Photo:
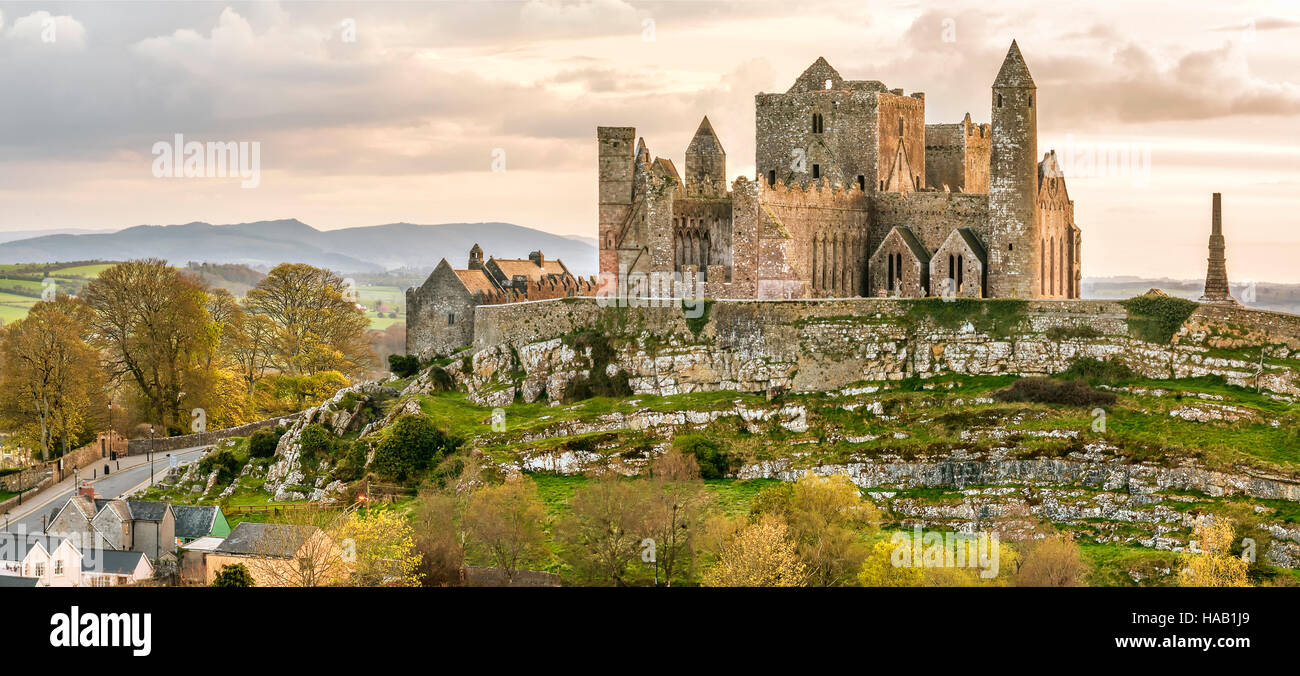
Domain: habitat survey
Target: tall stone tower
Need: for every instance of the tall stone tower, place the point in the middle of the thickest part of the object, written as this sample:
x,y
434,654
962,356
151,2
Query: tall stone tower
x,y
1015,248
615,169
706,164
1216,274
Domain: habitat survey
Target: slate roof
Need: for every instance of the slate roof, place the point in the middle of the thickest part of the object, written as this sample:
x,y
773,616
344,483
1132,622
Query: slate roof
x,y
135,510
18,581
111,561
265,539
973,243
912,243
194,521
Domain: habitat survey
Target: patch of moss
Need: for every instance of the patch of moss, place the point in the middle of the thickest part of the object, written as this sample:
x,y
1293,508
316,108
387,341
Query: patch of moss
x,y
996,317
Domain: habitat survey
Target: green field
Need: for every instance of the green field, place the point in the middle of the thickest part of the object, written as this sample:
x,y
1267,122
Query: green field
x,y
392,298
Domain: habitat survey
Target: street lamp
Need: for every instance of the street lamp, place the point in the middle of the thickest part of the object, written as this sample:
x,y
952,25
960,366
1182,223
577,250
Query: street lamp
x,y
151,443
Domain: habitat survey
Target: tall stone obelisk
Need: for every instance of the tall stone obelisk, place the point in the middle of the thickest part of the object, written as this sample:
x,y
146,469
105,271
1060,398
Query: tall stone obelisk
x,y
1216,275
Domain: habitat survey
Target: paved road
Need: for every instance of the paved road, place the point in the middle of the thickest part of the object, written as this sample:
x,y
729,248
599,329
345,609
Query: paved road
x,y
111,486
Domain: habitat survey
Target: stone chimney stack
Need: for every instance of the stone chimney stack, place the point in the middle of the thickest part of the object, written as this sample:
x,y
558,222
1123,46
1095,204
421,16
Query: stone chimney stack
x,y
536,258
1216,274
86,490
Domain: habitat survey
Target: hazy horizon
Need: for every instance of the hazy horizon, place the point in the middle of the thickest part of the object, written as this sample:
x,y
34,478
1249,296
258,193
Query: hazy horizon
x,y
376,113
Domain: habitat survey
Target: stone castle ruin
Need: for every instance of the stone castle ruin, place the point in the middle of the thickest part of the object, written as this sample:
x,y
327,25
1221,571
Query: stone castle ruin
x,y
855,196
440,313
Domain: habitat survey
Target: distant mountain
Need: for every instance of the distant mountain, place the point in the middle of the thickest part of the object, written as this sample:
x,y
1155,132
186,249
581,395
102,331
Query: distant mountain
x,y
11,235
268,243
1262,295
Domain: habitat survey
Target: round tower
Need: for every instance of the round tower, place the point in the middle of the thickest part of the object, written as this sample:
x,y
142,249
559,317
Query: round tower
x,y
1014,247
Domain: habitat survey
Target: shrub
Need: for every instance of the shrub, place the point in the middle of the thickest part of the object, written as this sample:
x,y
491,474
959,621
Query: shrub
x,y
316,442
1096,371
352,460
411,445
403,365
263,442
348,401
714,460
1155,318
233,575
224,461
1048,391
441,380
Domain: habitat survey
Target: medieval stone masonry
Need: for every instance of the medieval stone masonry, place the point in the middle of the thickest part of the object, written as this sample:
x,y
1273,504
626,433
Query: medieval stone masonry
x,y
855,195
440,313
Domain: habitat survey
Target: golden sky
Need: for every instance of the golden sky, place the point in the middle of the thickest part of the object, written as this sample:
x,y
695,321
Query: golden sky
x,y
372,113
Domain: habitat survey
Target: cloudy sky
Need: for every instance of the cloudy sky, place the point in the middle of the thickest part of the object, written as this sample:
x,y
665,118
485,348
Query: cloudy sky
x,y
373,113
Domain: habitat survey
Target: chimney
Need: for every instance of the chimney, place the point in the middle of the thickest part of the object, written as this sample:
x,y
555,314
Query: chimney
x,y
86,490
536,257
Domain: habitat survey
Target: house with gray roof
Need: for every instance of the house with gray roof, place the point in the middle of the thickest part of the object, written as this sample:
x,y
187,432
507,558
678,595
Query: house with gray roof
x,y
199,521
123,525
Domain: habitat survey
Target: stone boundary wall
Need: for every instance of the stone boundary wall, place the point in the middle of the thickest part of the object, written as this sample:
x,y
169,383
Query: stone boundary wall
x,y
815,345
523,323
166,444
1234,326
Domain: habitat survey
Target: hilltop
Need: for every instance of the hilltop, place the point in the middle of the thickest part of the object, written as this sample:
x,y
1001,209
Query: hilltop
x,y
268,243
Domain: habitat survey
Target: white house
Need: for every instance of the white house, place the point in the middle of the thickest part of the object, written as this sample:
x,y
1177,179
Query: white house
x,y
59,562
55,561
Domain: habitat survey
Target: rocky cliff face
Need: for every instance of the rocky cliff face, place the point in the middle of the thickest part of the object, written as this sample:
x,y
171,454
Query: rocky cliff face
x,y
818,346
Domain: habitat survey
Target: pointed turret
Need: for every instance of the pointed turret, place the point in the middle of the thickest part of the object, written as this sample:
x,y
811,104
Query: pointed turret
x,y
1014,72
1015,244
706,163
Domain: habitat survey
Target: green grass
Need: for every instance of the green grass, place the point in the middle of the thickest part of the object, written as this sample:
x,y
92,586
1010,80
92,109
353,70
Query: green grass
x,y
84,271
1110,565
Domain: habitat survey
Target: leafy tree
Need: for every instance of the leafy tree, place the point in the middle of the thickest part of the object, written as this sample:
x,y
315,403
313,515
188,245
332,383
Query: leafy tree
x,y
505,523
316,442
827,518
263,442
290,393
714,460
1214,565
403,365
675,508
382,544
438,539
318,325
410,445
1054,561
233,575
759,555
153,323
604,529
49,375
224,461
249,344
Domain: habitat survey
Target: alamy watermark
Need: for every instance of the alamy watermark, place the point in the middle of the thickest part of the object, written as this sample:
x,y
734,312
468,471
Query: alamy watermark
x,y
653,289
211,159
934,549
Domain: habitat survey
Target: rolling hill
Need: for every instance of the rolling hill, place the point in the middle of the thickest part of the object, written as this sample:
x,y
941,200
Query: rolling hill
x,y
267,243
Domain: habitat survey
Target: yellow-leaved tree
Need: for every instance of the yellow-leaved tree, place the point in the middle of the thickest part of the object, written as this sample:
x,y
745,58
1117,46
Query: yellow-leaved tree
x,y
382,544
761,554
1214,565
